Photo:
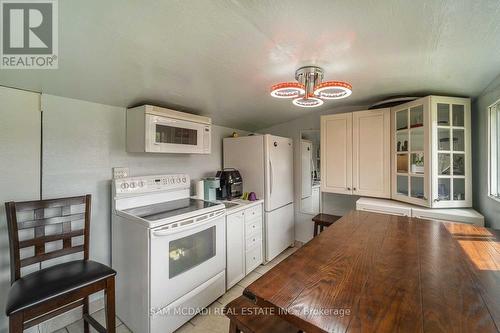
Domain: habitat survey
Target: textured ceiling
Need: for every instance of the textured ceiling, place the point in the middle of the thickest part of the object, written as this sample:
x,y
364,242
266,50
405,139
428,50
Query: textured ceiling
x,y
219,57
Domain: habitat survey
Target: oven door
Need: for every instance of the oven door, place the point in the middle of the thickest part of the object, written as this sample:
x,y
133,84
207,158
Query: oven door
x,y
168,135
185,256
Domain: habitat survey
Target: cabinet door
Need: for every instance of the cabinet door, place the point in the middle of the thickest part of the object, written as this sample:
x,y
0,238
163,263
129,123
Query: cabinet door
x,y
336,153
411,160
451,147
235,250
371,153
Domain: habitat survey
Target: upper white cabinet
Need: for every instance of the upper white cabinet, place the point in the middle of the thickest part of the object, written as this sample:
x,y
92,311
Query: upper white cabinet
x,y
355,153
336,153
371,162
431,164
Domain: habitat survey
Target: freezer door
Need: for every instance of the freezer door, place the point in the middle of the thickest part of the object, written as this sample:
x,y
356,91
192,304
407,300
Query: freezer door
x,y
246,154
306,168
279,172
279,230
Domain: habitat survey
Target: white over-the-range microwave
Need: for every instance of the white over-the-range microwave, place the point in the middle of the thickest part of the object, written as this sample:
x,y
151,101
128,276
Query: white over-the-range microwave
x,y
152,129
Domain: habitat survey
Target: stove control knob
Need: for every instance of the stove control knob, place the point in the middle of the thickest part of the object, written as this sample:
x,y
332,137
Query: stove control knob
x,y
178,180
125,185
172,180
132,185
183,179
141,184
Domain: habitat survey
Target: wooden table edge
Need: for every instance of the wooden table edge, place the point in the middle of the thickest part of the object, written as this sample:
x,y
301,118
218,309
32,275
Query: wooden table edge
x,y
298,322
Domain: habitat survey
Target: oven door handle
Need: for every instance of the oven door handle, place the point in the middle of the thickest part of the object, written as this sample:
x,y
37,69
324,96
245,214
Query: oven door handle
x,y
168,231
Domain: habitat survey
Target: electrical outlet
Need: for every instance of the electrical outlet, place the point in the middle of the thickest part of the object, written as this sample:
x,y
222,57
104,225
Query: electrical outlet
x,y
120,172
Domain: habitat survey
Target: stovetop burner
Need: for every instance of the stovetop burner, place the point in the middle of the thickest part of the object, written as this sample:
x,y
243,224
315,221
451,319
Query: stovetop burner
x,y
168,209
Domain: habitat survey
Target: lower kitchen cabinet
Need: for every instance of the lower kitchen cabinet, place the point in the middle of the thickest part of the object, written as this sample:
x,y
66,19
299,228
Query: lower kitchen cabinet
x,y
392,207
235,248
244,243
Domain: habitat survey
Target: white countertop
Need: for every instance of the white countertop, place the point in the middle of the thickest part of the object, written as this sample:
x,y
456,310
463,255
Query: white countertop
x,y
242,204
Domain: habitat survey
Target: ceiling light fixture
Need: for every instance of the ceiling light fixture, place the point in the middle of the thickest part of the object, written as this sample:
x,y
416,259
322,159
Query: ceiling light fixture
x,y
309,91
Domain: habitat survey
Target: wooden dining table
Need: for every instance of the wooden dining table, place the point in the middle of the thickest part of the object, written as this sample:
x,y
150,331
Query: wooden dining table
x,y
372,272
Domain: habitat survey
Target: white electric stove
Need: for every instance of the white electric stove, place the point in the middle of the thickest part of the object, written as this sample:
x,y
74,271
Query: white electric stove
x,y
168,250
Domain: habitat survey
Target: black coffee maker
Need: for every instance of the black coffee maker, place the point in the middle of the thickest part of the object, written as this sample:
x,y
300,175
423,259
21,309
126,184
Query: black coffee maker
x,y
231,184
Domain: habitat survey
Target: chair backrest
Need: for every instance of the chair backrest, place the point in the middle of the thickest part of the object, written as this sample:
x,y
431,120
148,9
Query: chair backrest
x,y
46,221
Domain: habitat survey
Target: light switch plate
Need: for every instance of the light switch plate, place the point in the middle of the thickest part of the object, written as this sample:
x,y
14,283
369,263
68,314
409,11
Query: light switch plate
x,y
120,172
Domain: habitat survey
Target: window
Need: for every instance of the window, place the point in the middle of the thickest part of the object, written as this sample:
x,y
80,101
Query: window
x,y
494,150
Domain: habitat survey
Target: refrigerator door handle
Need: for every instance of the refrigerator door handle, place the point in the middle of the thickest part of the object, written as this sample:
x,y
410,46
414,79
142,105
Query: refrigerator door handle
x,y
271,177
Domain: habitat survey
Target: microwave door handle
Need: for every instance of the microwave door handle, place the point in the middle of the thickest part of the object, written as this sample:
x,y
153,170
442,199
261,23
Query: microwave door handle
x,y
271,177
165,232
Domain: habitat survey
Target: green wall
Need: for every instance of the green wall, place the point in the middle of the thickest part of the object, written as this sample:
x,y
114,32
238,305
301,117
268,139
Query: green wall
x,y
482,202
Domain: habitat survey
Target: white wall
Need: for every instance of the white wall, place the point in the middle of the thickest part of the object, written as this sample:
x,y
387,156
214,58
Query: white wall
x,y
19,167
82,141
481,201
335,204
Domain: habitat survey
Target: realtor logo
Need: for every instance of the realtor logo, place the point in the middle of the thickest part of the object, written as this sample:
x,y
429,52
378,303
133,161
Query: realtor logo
x,y
29,34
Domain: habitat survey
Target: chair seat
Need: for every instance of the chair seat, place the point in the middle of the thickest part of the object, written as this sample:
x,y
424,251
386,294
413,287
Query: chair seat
x,y
53,281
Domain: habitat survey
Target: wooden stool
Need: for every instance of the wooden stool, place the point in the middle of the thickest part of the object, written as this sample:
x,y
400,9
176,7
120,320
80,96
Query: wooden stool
x,y
247,317
323,220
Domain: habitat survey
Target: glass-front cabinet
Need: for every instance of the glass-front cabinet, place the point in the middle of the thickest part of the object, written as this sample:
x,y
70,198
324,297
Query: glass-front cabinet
x,y
431,152
411,152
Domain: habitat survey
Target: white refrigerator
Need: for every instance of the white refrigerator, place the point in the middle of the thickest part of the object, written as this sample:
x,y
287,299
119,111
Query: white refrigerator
x,y
265,163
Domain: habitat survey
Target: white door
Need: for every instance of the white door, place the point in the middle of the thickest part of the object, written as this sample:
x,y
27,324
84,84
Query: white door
x,y
184,257
306,171
371,153
279,231
246,154
315,206
235,238
451,152
279,172
336,153
306,205
411,159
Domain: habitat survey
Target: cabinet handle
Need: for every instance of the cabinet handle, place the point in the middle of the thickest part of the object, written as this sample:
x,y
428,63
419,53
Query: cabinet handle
x,y
348,188
354,189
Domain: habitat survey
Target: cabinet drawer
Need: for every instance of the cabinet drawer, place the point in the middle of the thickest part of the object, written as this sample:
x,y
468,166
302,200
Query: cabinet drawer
x,y
253,240
253,258
253,212
253,226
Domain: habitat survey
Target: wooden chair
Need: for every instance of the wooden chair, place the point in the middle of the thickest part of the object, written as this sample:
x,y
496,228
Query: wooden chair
x,y
323,220
247,317
40,295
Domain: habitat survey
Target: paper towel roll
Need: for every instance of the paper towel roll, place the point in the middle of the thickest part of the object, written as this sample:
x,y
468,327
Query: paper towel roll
x,y
200,190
